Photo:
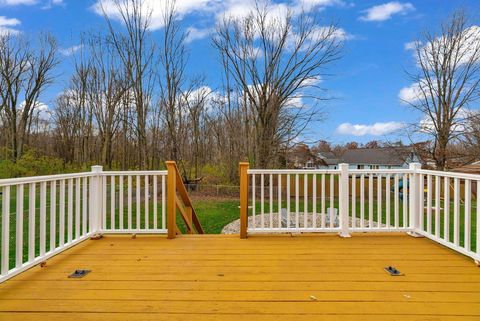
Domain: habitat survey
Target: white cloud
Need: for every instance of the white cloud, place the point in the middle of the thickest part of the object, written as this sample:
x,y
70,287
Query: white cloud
x,y
386,11
70,50
339,34
52,3
311,4
197,34
276,11
157,9
17,2
217,8
468,48
39,109
412,93
426,125
377,129
313,81
412,45
47,4
7,24
294,102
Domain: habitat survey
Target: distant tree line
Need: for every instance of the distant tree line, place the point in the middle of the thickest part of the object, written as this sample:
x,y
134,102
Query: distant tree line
x,y
131,103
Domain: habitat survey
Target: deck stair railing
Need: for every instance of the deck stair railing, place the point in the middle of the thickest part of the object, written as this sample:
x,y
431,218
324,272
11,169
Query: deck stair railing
x,y
45,215
442,206
179,200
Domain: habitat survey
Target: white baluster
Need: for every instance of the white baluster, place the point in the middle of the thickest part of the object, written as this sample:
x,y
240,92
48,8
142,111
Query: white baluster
x,y
262,201
155,205
396,196
305,200
61,219
120,202
6,230
446,209
31,221
467,216
370,201
354,200
19,227
271,200
437,206
279,199
297,201
429,204
314,201
456,211
43,217
362,201
146,209
112,203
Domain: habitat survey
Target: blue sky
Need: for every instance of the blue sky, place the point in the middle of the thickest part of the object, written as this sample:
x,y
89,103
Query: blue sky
x,y
366,82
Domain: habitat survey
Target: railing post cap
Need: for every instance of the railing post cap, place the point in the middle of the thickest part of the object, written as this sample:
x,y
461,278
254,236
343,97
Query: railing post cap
x,y
343,165
97,168
244,164
415,166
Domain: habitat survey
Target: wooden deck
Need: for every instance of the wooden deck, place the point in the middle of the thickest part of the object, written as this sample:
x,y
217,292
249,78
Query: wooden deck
x,y
321,277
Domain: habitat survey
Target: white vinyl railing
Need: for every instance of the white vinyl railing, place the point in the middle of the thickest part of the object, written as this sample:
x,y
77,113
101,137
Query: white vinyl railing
x,y
45,215
293,200
42,216
134,202
449,210
442,206
378,200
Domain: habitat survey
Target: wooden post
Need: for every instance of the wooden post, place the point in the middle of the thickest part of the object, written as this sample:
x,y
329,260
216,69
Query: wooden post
x,y
189,211
171,199
243,199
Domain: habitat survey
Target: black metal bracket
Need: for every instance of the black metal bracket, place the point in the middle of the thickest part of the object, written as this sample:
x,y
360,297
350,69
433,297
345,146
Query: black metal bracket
x,y
393,271
79,274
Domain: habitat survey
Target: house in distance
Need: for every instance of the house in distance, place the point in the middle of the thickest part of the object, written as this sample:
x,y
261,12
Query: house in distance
x,y
359,158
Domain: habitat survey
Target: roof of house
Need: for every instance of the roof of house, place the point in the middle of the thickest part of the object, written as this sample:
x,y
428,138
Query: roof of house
x,y
329,158
473,168
391,156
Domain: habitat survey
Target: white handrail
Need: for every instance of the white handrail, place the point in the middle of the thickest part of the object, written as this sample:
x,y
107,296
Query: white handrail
x,y
118,173
293,171
46,178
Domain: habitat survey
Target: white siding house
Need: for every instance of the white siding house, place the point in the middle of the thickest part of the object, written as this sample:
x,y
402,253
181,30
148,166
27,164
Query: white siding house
x,y
371,158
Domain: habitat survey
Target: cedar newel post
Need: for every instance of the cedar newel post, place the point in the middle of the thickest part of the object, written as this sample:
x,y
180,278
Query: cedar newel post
x,y
171,199
243,199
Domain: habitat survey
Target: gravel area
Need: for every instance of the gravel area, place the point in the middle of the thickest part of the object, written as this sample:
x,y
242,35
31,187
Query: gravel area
x,y
234,227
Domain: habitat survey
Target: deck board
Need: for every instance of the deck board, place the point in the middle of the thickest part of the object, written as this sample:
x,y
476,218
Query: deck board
x,y
310,277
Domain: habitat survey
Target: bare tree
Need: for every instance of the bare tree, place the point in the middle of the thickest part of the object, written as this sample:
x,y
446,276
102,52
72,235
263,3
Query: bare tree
x,y
106,88
26,70
173,59
195,100
136,51
447,83
272,60
68,127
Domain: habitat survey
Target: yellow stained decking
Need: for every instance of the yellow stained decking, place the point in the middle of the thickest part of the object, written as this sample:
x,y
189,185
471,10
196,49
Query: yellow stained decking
x,y
204,277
